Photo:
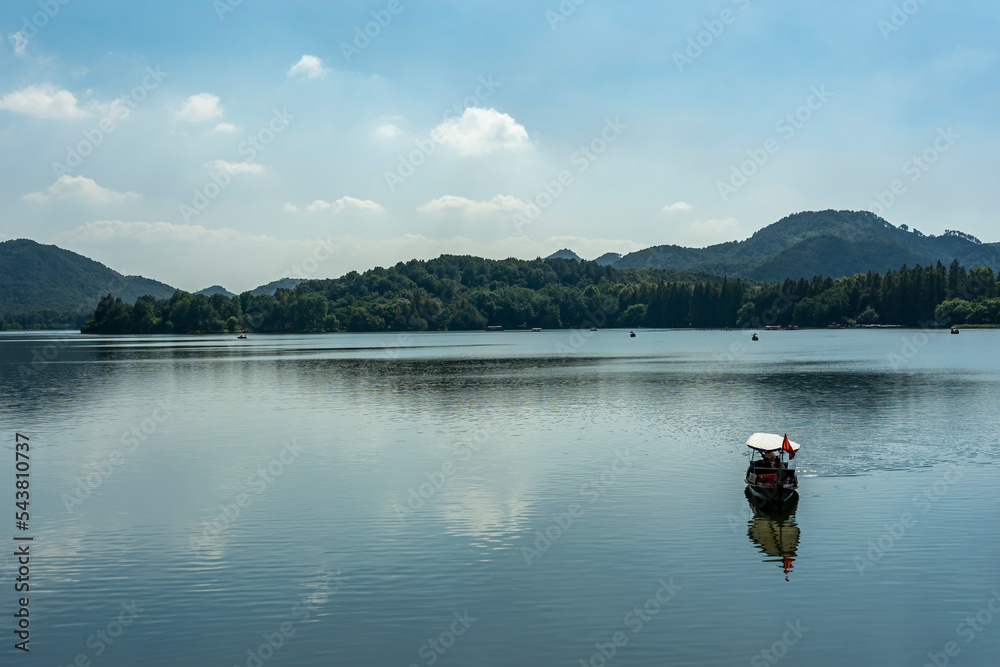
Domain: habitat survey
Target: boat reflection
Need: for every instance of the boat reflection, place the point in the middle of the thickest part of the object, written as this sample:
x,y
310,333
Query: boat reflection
x,y
773,530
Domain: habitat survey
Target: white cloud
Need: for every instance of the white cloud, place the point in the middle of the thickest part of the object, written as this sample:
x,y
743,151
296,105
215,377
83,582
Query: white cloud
x,y
225,128
350,204
310,66
42,100
387,131
200,108
482,131
20,44
462,205
677,206
81,190
318,205
291,208
236,167
347,205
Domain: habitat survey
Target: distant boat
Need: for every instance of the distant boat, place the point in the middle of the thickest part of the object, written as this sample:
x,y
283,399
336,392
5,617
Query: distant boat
x,y
755,337
631,334
773,327
955,331
536,328
773,482
593,328
493,328
242,337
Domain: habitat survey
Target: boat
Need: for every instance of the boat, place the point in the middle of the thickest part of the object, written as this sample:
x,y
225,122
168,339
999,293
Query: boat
x,y
536,328
631,334
493,328
955,331
242,337
773,484
755,337
593,328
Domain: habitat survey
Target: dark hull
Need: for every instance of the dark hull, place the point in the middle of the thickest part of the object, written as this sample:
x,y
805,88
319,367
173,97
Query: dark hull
x,y
772,493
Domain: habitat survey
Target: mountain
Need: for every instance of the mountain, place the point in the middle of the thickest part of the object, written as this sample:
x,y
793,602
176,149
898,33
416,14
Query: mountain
x,y
216,289
36,277
608,258
565,253
273,286
831,243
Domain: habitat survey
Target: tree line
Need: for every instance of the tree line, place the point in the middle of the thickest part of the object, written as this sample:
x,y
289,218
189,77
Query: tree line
x,y
453,293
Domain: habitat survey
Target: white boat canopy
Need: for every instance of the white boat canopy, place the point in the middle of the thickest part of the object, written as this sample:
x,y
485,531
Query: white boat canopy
x,y
769,442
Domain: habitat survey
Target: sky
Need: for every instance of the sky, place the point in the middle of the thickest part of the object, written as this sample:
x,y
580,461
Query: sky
x,y
234,142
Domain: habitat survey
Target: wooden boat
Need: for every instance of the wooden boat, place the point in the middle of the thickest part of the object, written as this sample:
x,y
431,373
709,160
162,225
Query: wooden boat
x,y
770,478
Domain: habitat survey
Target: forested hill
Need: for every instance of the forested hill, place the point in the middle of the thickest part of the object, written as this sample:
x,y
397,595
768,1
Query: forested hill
x,y
830,243
36,277
466,293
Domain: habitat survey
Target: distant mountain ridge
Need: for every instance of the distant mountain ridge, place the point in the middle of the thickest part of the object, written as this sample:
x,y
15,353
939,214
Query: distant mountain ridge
x,y
829,243
36,277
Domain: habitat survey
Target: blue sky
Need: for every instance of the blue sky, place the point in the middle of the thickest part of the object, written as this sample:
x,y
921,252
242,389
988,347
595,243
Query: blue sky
x,y
217,141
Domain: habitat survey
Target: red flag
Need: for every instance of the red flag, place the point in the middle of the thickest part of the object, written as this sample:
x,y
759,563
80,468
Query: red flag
x,y
787,446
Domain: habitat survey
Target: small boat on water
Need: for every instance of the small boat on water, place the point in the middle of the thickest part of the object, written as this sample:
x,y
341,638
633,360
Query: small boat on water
x,y
955,331
755,337
769,477
242,337
536,328
631,334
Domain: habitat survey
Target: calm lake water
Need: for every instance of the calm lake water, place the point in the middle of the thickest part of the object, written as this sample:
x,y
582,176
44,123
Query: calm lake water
x,y
503,499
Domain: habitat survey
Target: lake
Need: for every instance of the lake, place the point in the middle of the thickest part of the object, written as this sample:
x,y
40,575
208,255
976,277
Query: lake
x,y
550,498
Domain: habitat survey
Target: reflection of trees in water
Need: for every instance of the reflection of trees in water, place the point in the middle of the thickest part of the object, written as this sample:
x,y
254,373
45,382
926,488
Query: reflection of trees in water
x,y
774,531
